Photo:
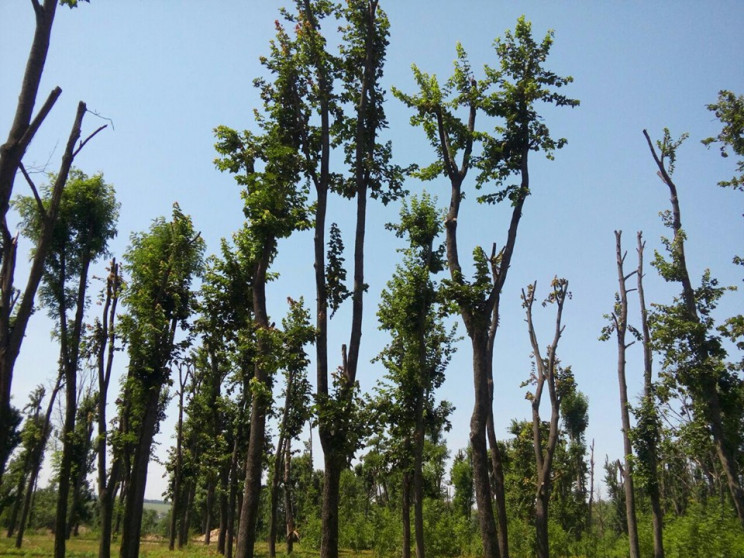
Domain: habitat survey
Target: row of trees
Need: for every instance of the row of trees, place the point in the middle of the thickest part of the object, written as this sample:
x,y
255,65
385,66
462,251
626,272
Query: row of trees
x,y
530,492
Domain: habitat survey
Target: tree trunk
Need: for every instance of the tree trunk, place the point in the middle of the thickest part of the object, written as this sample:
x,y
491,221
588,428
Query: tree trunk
x,y
621,323
499,488
221,537
657,517
259,407
11,153
478,443
106,499
208,515
288,508
278,462
406,514
132,520
334,464
233,498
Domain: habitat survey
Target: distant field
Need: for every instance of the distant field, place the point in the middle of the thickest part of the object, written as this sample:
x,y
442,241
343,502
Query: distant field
x,y
162,508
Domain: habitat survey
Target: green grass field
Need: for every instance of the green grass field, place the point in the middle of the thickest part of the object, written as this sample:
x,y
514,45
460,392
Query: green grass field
x,y
86,546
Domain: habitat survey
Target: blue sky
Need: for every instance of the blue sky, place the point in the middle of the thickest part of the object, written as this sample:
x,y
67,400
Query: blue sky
x,y
167,73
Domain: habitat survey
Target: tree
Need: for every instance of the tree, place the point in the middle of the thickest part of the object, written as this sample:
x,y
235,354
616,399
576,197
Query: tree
x,y
559,381
296,332
344,93
16,307
522,82
693,355
730,111
647,431
102,348
86,221
417,355
161,265
34,438
619,325
268,167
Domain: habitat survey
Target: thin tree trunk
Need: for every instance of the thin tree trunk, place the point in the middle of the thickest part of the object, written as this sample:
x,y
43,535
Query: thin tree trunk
x,y
621,324
254,458
221,537
274,505
233,498
132,520
546,375
208,514
288,507
406,514
657,517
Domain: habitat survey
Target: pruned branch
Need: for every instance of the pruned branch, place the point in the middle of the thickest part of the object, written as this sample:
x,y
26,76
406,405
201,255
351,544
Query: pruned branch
x,y
86,140
39,203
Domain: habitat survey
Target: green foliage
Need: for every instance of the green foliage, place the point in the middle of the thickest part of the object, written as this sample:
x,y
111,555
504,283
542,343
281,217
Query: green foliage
x,y
161,265
729,110
86,222
335,272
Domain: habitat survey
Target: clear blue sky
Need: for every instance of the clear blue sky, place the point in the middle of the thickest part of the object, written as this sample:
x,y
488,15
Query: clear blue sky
x,y
167,73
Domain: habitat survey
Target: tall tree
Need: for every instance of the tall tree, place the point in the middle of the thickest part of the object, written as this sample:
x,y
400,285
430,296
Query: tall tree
x,y
86,221
683,332
268,167
558,380
102,345
647,431
161,265
418,353
521,82
296,333
16,308
344,92
619,325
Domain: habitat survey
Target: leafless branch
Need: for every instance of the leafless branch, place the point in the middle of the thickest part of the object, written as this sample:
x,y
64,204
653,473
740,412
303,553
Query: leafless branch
x,y
86,140
39,204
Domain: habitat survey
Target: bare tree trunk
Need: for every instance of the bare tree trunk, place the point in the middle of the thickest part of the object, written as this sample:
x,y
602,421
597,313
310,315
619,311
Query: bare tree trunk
x,y
208,515
406,514
233,498
183,379
620,317
288,507
547,369
274,505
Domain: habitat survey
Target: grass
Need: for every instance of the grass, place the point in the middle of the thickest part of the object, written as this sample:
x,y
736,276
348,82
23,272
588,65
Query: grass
x,y
41,545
